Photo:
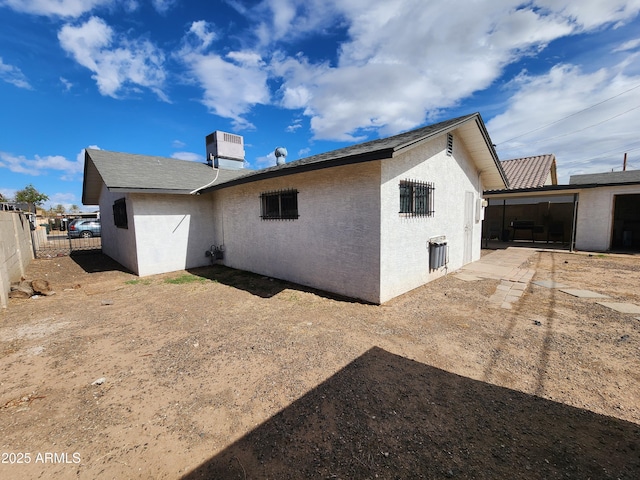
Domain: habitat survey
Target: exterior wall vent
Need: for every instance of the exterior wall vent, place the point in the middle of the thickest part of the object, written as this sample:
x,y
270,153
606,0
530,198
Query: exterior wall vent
x,y
449,144
225,150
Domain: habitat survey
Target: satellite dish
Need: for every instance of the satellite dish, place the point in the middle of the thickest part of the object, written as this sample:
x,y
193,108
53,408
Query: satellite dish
x,y
281,155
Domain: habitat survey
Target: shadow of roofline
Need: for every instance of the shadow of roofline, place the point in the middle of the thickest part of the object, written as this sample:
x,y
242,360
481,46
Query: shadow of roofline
x,y
261,285
385,416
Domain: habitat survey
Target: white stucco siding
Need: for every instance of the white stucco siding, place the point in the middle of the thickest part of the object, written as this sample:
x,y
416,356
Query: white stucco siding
x,y
335,243
595,216
117,243
405,240
173,232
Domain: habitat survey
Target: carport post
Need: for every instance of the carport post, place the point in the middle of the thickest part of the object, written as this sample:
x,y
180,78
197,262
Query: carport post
x,y
574,222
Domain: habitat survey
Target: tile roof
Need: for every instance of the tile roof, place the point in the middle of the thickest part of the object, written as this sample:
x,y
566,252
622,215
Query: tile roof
x,y
530,172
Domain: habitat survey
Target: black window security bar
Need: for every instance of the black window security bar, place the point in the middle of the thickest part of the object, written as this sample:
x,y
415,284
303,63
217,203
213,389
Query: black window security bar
x,y
416,198
279,205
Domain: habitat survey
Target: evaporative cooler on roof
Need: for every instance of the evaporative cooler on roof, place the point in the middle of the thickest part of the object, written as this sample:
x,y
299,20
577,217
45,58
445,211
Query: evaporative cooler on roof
x,y
225,150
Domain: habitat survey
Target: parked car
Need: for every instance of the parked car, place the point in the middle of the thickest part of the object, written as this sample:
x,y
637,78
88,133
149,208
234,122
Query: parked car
x,y
84,228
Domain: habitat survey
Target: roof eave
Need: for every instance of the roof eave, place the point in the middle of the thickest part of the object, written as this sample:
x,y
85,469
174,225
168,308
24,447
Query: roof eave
x,y
492,150
162,191
286,170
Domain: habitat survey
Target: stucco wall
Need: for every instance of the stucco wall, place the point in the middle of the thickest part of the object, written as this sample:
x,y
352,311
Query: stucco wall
x,y
118,243
333,246
172,231
595,216
16,251
405,240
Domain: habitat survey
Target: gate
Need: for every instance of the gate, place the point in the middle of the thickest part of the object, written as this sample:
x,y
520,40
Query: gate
x,y
51,240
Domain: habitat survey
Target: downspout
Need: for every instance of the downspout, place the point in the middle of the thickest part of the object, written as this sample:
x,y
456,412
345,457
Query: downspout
x,y
574,223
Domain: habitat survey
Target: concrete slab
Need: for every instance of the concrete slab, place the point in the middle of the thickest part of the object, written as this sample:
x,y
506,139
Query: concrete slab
x,y
467,278
576,292
621,307
549,284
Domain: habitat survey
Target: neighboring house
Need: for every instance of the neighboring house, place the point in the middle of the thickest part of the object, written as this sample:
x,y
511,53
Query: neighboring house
x,y
609,210
599,212
369,221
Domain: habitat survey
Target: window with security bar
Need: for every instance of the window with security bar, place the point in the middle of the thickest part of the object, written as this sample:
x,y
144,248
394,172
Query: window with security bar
x,y
416,198
280,205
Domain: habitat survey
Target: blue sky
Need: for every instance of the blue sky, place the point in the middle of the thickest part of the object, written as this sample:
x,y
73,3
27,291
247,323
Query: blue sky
x,y
156,76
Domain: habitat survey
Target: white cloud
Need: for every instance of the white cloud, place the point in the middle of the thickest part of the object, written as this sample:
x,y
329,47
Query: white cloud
x,y
190,156
60,8
203,35
13,75
42,165
288,20
232,83
8,193
268,160
404,61
66,83
629,45
178,144
117,62
294,126
587,119
162,6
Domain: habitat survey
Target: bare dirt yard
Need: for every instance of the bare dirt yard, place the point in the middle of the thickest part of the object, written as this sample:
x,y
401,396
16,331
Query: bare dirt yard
x,y
215,373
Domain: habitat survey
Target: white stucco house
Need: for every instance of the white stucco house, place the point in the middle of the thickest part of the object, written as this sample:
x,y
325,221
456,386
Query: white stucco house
x,y
370,221
608,217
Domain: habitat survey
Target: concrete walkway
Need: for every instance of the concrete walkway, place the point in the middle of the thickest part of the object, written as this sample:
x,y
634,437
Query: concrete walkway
x,y
506,266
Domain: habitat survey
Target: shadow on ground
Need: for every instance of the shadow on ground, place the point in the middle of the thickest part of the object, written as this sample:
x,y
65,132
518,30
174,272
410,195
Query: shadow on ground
x,y
94,261
384,416
259,285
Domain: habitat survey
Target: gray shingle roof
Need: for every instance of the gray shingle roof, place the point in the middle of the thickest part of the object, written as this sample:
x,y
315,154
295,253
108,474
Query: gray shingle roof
x,y
530,172
362,152
608,178
140,173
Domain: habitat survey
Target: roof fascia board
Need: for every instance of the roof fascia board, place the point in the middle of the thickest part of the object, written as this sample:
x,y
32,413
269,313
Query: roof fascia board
x,y
553,189
308,167
149,190
426,138
492,150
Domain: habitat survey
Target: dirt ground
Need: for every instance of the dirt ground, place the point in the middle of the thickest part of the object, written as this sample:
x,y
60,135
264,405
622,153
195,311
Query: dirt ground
x,y
220,374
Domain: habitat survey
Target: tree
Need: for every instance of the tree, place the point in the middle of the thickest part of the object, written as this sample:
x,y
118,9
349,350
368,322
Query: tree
x,y
59,209
3,198
74,209
31,196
